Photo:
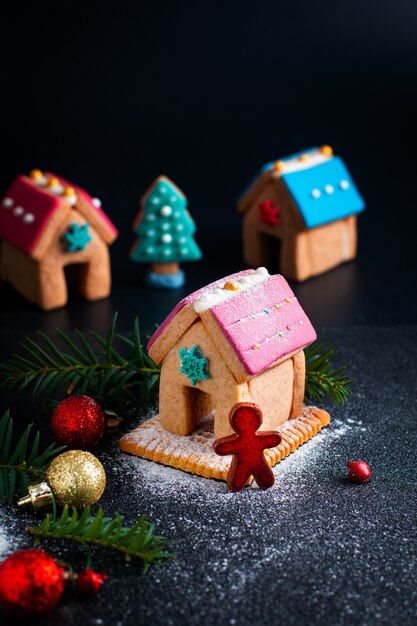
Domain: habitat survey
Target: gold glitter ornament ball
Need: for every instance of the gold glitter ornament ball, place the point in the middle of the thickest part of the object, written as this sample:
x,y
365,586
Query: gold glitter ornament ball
x,y
77,479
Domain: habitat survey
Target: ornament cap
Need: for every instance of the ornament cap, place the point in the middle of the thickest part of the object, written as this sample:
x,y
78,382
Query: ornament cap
x,y
39,496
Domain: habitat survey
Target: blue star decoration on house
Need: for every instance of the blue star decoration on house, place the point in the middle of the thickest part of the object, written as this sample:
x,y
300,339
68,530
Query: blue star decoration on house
x,y
76,237
194,364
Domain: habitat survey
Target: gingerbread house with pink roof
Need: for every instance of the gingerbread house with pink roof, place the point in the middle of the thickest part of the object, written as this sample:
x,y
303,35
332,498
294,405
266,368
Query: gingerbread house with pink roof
x,y
46,225
238,339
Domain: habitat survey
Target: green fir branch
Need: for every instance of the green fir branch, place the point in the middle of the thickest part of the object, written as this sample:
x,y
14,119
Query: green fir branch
x,y
138,541
21,462
322,380
114,369
88,365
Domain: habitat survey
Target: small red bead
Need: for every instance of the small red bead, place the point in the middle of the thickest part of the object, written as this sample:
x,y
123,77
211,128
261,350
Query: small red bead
x,y
89,582
79,422
359,471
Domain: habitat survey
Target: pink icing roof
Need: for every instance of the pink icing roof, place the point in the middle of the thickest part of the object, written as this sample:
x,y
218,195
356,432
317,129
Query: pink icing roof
x,y
88,199
34,201
261,324
189,300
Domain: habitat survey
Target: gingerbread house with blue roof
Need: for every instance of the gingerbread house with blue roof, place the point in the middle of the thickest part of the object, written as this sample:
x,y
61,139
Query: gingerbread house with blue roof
x,y
302,211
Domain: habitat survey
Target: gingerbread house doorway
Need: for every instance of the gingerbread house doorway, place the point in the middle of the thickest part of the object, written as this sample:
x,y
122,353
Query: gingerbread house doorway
x,y
201,404
271,251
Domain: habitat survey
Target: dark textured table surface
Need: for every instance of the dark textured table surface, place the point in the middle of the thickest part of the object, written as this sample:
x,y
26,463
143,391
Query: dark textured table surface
x,y
315,549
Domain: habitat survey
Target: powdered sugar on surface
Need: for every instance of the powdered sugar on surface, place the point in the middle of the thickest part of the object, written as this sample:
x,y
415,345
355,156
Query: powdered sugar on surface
x,y
12,533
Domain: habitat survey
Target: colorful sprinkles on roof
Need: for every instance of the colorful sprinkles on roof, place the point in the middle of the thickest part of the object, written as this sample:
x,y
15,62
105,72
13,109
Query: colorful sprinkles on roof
x,y
262,320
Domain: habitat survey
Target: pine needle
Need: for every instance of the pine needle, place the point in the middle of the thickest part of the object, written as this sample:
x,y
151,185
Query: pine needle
x,y
138,541
322,381
90,365
21,462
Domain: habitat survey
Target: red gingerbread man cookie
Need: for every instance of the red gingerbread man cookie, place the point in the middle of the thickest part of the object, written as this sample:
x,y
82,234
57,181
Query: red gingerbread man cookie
x,y
247,447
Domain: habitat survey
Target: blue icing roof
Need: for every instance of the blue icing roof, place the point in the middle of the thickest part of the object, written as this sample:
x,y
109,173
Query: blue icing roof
x,y
324,193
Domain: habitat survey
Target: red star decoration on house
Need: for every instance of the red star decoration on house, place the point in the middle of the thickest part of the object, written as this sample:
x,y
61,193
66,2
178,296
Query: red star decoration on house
x,y
268,213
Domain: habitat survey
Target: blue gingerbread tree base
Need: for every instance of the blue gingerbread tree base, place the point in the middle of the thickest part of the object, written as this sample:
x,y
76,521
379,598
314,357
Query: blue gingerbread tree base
x,y
165,281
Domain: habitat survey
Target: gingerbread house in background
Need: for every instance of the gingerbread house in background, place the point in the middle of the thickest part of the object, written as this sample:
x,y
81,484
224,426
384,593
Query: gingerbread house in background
x,y
238,339
46,225
301,211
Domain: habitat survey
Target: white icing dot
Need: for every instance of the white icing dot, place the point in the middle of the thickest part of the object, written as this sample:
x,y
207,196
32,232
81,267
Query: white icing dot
x,y
151,232
163,189
71,199
155,200
315,193
180,227
329,189
166,238
41,181
7,203
29,218
301,322
96,202
177,214
182,239
173,199
150,249
166,226
168,252
56,189
184,250
150,218
18,211
166,210
344,185
262,271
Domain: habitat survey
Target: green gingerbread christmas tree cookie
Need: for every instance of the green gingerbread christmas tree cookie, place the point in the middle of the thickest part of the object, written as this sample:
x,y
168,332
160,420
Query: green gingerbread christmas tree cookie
x,y
165,233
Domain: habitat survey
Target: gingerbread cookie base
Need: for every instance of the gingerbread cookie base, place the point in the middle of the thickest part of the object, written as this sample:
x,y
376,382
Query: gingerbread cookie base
x,y
194,453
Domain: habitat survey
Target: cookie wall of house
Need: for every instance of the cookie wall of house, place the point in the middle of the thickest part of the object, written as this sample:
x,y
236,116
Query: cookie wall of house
x,y
317,250
44,282
180,407
263,242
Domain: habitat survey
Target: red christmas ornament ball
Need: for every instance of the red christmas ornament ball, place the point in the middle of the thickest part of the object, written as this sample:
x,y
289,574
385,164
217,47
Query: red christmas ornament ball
x,y
359,471
79,422
31,583
89,582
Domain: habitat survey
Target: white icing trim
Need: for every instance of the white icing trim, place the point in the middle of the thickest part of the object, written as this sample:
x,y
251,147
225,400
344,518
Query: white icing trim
x,y
219,294
96,202
295,165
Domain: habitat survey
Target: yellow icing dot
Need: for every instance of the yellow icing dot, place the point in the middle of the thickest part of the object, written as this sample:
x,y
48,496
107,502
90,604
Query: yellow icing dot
x,y
53,182
68,191
303,157
231,285
326,150
35,174
279,166
257,346
276,306
287,300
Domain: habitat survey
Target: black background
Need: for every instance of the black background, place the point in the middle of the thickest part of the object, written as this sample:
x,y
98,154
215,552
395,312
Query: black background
x,y
111,95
